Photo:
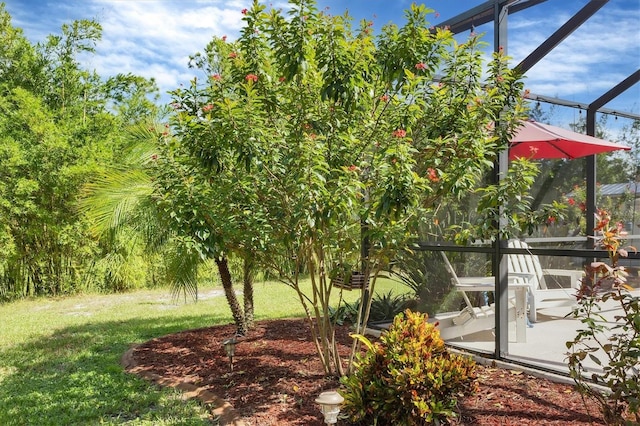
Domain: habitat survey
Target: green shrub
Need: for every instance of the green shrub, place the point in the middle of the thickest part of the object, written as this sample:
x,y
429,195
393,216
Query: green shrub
x,y
408,378
345,313
423,273
386,306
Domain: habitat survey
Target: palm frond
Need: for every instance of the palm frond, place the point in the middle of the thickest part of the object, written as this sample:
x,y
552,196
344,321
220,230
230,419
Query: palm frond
x,y
142,144
112,201
182,269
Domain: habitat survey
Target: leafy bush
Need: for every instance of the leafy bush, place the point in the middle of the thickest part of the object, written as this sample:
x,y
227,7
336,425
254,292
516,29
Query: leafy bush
x,y
383,307
386,306
345,313
408,378
422,272
617,342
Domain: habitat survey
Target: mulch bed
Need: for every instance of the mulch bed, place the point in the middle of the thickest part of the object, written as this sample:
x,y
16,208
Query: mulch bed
x,y
277,376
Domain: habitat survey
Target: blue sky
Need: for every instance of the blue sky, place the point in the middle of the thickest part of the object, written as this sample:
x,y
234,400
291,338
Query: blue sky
x,y
154,38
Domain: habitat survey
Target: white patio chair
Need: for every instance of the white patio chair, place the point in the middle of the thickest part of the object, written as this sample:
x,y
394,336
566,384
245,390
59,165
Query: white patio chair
x,y
472,318
543,291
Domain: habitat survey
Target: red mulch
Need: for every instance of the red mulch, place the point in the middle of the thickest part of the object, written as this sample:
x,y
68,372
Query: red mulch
x,y
277,376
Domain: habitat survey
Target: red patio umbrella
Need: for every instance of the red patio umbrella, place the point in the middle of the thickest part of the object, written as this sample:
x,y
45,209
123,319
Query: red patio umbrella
x,y
537,141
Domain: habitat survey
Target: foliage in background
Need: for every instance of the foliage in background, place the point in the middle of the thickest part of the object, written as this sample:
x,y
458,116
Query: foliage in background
x,y
204,216
345,313
125,208
418,270
60,126
384,307
612,343
575,221
408,378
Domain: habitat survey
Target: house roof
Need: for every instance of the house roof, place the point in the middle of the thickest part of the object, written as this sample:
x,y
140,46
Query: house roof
x,y
615,189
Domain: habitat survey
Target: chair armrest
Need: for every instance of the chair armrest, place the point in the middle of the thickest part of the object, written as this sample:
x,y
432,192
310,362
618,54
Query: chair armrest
x,y
515,277
476,281
486,284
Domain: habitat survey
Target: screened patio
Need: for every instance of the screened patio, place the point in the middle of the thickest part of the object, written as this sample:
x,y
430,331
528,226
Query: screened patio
x,y
490,317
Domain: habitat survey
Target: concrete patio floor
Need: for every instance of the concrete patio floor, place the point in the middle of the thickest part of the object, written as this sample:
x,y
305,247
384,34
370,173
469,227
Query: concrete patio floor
x,y
545,345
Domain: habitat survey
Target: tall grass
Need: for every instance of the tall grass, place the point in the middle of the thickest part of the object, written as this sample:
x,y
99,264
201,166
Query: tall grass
x,y
60,358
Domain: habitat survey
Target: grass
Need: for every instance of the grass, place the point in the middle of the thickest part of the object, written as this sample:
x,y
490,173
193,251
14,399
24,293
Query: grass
x,y
60,358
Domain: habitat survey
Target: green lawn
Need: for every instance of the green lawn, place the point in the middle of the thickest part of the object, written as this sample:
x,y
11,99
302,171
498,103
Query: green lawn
x,y
60,358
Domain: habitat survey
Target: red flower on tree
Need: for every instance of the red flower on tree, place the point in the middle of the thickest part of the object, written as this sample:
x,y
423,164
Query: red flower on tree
x,y
421,66
251,77
399,133
216,77
571,202
384,98
432,174
207,107
244,11
233,55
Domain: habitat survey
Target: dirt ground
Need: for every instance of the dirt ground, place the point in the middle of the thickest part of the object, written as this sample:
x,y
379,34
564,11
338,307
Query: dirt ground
x,y
276,377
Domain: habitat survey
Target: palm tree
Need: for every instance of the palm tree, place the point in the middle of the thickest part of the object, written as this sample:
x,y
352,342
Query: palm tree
x,y
127,200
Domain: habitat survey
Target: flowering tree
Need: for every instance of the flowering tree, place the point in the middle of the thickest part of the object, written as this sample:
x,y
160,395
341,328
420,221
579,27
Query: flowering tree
x,y
309,136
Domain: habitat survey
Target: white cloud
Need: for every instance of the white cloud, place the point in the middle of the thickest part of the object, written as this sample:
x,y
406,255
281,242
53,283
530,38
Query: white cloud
x,y
155,39
150,38
589,62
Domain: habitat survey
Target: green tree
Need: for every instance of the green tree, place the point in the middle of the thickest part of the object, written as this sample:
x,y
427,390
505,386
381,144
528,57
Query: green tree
x,y
20,65
59,128
123,204
308,135
202,217
68,85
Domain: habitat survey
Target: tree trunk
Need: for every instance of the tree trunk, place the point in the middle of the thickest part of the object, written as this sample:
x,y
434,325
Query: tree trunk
x,y
248,292
232,300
